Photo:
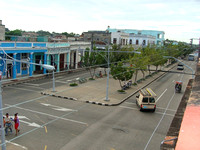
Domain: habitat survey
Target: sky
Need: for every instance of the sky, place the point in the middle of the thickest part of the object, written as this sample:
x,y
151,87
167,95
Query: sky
x,y
179,19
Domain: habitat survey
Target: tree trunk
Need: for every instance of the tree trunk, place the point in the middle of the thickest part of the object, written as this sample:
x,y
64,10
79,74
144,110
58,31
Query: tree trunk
x,y
149,69
120,83
90,73
136,72
105,70
143,73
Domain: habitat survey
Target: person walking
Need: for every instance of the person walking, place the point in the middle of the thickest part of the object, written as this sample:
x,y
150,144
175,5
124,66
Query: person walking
x,y
8,123
16,120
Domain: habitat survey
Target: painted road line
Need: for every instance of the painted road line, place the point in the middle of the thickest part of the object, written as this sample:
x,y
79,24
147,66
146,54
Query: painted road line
x,y
31,84
138,109
33,124
156,106
22,89
45,148
159,122
45,127
161,95
23,147
50,115
57,107
60,81
30,131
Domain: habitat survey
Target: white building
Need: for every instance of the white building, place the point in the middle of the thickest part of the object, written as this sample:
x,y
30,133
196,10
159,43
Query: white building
x,y
137,40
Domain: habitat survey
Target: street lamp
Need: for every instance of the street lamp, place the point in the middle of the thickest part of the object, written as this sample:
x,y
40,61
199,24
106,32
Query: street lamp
x,y
182,63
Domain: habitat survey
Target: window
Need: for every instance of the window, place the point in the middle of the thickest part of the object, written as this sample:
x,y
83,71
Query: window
x,y
24,66
145,100
130,42
24,55
158,36
144,42
137,42
114,40
151,100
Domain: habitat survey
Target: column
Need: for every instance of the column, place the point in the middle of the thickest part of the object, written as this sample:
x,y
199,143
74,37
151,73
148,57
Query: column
x,y
58,62
68,60
45,62
31,65
76,61
14,66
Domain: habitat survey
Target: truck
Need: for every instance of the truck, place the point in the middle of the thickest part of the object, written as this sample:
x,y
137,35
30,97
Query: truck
x,y
146,100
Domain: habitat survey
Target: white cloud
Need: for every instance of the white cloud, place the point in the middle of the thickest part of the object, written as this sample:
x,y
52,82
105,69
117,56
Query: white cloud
x,y
179,19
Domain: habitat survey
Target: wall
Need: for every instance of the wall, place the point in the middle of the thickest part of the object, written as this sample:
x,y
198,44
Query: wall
x,y
2,31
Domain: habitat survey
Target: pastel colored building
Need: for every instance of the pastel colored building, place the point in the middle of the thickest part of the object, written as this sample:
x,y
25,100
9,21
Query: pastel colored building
x,y
63,56
22,51
159,35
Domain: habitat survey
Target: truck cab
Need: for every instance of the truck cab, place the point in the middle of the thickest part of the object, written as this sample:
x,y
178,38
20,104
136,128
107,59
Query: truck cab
x,y
146,99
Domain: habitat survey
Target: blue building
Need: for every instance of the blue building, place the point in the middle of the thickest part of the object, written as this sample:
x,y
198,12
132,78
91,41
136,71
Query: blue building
x,y
158,34
22,51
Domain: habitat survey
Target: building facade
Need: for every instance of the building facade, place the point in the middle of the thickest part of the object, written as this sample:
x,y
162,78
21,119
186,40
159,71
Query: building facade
x,y
22,51
2,31
136,40
159,35
63,56
98,39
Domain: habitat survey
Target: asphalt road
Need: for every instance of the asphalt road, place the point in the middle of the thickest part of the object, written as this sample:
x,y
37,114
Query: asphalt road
x,y
49,123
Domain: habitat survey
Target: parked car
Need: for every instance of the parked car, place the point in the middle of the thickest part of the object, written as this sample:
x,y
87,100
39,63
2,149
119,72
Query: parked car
x,y
180,66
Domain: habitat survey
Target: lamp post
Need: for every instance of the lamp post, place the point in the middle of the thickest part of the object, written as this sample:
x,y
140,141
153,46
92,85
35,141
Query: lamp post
x,y
1,118
182,63
107,85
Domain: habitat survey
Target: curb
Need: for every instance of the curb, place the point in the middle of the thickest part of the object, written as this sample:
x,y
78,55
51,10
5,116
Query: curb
x,y
123,100
20,82
104,104
58,96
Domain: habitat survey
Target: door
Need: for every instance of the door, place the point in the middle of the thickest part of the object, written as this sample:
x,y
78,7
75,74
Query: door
x,y
62,62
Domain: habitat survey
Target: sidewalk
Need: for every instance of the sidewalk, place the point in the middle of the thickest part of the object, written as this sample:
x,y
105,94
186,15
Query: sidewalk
x,y
95,91
189,134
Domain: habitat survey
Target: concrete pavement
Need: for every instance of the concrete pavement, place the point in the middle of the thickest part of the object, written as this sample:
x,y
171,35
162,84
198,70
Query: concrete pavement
x,y
95,91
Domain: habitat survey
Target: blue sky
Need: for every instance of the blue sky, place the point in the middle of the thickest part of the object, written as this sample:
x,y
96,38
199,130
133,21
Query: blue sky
x,y
179,19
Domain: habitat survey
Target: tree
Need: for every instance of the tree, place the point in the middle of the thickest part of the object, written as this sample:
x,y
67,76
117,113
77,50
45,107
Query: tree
x,y
139,62
121,72
90,61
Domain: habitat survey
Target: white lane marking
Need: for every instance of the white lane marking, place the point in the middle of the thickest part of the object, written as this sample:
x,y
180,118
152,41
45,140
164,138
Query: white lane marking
x,y
19,136
49,115
173,81
159,122
60,81
21,117
22,89
31,84
17,145
161,95
138,109
156,106
57,107
33,124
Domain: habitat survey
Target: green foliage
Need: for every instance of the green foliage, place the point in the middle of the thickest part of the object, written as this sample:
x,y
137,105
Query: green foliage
x,y
16,32
68,34
121,72
73,84
43,33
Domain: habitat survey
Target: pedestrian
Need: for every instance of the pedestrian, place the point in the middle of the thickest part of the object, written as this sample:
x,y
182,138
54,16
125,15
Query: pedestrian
x,y
8,124
16,120
100,74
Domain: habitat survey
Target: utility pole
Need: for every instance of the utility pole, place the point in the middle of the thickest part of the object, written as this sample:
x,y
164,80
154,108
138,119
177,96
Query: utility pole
x,y
1,118
92,41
